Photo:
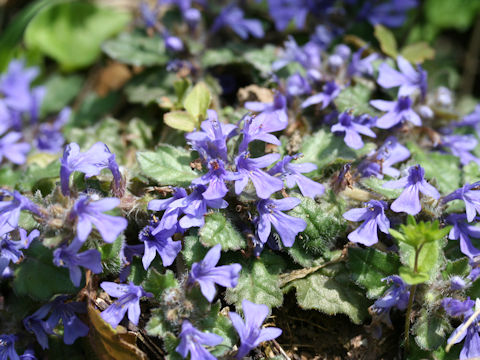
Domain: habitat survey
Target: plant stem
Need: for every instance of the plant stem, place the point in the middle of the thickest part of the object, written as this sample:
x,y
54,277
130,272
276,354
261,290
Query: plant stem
x,y
411,297
407,316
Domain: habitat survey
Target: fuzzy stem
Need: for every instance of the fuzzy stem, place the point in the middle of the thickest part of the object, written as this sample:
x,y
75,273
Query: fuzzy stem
x,y
407,316
411,297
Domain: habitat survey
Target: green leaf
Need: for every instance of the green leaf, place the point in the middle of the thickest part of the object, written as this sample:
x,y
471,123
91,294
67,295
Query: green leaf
x,y
444,168
431,330
258,284
73,32
35,173
8,177
411,277
156,325
418,52
332,294
324,227
180,120
430,260
39,278
137,49
355,99
167,165
197,101
261,59
157,283
375,184
323,149
460,267
61,90
152,86
107,131
369,266
220,56
219,324
387,41
193,250
140,133
219,230
471,173
458,14
93,108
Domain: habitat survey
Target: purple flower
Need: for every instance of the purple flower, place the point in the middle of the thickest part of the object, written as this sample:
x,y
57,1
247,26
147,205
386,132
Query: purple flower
x,y
149,15
15,85
207,274
164,245
390,153
472,119
90,213
460,146
391,13
7,347
462,231
49,137
10,210
407,78
397,111
347,124
454,307
10,250
273,117
128,299
36,324
470,194
126,256
471,346
169,221
12,149
413,183
396,296
215,178
29,354
233,17
90,162
329,92
211,141
248,168
36,97
259,128
73,328
191,341
70,258
297,85
283,11
194,206
309,56
270,213
292,174
457,283
251,332
359,66
373,216
173,43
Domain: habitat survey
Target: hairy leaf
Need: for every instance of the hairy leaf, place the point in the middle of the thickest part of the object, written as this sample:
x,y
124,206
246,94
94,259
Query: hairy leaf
x,y
431,330
258,283
219,230
38,277
137,49
167,165
72,32
369,266
332,293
